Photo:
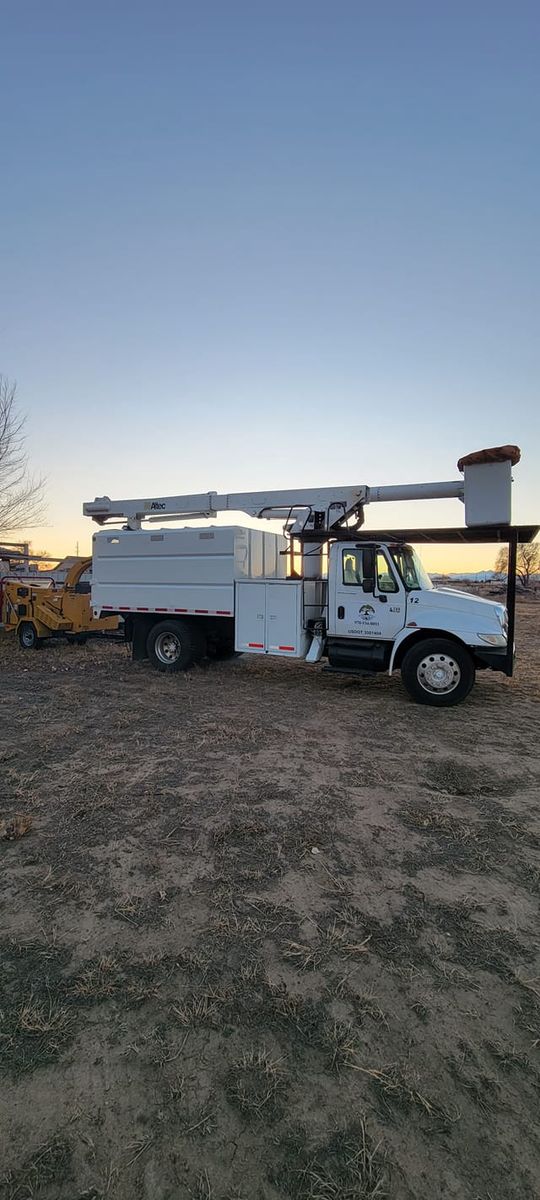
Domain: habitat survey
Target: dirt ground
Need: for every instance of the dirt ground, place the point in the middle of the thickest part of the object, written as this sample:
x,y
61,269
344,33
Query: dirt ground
x,y
267,932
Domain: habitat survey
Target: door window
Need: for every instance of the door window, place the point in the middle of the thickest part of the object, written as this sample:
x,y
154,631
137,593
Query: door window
x,y
353,572
385,578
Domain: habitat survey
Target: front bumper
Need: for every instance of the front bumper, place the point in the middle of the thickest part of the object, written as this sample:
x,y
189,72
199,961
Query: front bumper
x,y
496,658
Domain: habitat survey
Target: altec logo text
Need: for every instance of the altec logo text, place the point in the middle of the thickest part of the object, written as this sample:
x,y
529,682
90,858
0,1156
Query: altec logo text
x,y
157,504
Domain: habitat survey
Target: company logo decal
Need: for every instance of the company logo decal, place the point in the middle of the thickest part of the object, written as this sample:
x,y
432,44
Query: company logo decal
x,y
367,610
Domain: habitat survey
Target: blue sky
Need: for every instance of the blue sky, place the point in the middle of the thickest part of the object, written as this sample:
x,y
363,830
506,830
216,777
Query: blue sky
x,y
252,244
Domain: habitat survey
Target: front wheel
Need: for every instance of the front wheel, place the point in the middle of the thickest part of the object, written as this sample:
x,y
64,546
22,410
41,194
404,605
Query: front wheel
x,y
438,672
28,638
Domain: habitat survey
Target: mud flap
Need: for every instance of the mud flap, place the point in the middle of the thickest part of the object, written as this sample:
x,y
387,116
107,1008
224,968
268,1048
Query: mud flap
x,y
138,636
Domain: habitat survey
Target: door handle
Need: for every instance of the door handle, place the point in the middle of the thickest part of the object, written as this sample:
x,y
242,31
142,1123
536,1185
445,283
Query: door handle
x,y
341,612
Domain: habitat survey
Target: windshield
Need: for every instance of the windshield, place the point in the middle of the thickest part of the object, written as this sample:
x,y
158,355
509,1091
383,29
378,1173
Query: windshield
x,y
410,568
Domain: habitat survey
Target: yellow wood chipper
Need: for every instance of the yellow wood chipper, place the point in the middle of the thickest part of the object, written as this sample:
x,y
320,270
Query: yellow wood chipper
x,y
36,612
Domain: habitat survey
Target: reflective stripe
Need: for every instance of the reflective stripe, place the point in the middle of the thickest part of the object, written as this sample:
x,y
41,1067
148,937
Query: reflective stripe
x,y
219,612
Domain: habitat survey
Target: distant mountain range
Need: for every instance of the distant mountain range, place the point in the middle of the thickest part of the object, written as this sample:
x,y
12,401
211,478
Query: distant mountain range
x,y
475,576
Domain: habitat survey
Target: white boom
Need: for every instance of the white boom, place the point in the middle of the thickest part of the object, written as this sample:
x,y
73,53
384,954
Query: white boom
x,y
296,505
485,490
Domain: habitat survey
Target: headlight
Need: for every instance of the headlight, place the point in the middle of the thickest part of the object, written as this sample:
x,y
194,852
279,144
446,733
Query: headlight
x,y
493,639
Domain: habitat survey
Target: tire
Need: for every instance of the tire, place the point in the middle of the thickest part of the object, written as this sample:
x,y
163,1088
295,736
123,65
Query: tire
x,y
28,638
438,672
174,645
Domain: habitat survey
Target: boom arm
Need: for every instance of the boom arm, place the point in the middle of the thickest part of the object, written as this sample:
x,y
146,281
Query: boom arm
x,y
344,500
337,504
485,490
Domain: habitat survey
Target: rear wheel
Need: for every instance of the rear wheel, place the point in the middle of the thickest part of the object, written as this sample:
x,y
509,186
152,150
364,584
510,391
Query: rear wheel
x,y
28,638
438,672
174,645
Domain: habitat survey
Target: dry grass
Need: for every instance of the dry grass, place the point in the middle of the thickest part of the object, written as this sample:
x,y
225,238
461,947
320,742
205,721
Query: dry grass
x,y
473,1077
344,1044
426,815
138,911
203,1188
349,1166
17,827
63,884
240,928
41,1173
97,982
200,1121
229,999
33,1033
44,1020
204,1008
452,778
397,1086
332,940
508,1056
367,1005
256,1085
130,981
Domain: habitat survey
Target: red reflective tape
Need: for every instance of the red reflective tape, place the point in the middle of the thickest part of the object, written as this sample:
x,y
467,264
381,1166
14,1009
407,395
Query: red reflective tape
x,y
256,645
200,610
223,612
106,605
161,610
123,608
142,610
180,610
285,647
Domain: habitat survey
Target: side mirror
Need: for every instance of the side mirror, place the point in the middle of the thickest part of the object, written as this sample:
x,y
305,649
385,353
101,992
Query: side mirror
x,y
368,583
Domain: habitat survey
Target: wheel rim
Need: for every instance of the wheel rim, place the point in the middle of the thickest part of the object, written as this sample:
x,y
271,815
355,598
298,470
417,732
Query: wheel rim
x,y
438,674
168,647
27,638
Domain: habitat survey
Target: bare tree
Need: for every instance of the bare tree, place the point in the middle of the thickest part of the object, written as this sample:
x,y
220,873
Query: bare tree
x,y
21,493
527,565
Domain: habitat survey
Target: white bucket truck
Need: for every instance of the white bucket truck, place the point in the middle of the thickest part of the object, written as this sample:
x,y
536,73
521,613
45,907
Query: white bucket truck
x,y
360,599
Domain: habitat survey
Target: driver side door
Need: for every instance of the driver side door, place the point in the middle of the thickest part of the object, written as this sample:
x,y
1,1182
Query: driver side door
x,y
370,600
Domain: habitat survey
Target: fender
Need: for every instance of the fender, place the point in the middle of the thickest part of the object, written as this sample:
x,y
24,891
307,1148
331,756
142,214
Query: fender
x,y
402,636
409,632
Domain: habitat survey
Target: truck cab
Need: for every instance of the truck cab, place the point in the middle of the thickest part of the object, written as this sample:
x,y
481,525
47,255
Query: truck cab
x,y
384,612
